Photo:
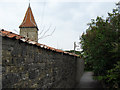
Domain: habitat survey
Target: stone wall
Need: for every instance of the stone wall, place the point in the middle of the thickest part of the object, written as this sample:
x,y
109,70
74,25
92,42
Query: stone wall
x,y
80,69
28,66
31,33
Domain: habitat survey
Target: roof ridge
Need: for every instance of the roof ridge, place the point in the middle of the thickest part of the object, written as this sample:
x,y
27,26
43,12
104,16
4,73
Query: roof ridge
x,y
31,20
25,19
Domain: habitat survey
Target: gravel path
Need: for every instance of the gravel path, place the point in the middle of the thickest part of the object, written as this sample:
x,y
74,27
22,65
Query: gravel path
x,y
87,81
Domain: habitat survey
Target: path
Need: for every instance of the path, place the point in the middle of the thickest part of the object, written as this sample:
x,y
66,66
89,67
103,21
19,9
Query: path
x,y
87,81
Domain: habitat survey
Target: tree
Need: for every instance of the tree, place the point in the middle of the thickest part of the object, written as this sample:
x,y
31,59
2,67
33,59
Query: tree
x,y
100,45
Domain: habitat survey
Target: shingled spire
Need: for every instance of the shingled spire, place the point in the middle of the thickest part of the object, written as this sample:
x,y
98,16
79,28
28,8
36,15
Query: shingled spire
x,y
28,27
29,20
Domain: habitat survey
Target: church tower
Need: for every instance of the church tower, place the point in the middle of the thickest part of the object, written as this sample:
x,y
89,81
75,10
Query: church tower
x,y
28,27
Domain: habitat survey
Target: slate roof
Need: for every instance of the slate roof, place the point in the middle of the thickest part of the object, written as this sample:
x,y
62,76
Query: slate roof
x,y
11,35
28,20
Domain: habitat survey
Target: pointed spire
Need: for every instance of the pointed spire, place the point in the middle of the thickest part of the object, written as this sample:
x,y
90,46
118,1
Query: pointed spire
x,y
29,3
28,20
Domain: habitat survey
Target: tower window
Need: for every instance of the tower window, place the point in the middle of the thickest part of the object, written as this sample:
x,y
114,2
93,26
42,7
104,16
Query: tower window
x,y
27,34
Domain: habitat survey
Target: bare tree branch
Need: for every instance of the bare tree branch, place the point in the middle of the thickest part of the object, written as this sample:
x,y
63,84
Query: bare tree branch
x,y
42,31
48,35
45,32
16,31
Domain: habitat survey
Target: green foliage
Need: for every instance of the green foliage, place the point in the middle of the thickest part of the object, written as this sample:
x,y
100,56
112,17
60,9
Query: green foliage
x,y
113,76
100,45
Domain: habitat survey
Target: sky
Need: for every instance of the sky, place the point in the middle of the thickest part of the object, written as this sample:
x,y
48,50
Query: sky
x,y
69,18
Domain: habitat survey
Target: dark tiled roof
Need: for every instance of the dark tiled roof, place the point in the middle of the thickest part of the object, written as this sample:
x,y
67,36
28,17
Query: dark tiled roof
x,y
8,34
28,20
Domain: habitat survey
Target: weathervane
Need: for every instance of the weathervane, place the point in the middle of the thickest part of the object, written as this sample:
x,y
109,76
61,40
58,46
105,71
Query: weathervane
x,y
29,3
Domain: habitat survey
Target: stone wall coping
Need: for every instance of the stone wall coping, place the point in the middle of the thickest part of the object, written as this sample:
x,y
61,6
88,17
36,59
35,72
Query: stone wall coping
x,y
11,35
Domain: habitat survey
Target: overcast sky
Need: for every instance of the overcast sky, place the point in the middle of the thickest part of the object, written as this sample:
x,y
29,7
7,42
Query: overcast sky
x,y
70,17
